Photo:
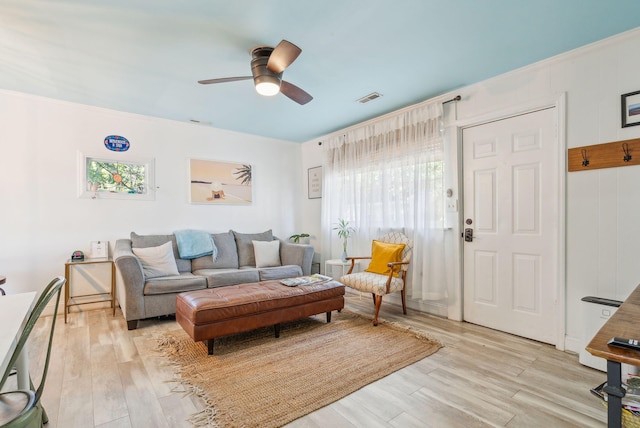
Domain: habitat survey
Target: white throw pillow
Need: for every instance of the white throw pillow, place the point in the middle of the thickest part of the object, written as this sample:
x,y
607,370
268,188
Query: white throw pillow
x,y
157,261
267,253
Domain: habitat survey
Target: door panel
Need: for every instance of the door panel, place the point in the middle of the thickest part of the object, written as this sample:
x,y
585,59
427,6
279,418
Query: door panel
x,y
526,282
526,218
510,180
486,275
485,212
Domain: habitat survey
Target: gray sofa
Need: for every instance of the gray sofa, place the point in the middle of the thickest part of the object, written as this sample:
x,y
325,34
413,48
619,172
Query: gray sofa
x,y
141,297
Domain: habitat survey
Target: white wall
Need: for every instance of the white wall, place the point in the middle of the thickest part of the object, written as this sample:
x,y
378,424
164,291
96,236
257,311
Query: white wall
x,y
603,206
43,220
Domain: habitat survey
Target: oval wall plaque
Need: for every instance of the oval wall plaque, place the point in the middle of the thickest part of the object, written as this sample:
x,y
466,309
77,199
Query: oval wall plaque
x,y
116,143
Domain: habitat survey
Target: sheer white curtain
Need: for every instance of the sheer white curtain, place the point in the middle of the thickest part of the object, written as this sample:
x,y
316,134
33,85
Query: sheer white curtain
x,y
389,175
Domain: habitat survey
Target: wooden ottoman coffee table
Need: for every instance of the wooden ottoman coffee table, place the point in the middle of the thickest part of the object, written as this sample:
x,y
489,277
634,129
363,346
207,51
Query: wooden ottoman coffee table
x,y
216,312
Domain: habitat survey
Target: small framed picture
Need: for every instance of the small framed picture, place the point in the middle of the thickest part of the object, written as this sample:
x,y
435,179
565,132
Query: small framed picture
x,y
630,109
99,250
315,182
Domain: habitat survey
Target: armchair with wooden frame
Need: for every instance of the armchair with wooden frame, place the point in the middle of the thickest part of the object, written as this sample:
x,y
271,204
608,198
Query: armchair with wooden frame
x,y
387,272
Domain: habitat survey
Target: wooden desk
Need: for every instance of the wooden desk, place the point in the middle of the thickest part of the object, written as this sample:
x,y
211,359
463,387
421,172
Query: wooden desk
x,y
85,299
14,313
623,323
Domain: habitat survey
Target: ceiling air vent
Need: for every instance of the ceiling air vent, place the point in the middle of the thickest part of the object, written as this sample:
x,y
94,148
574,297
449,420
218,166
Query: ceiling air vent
x,y
372,96
200,122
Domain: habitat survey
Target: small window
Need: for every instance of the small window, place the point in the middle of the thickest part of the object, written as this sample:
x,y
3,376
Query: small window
x,y
103,178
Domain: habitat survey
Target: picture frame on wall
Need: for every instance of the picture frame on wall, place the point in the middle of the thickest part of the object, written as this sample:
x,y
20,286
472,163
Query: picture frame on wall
x,y
214,182
630,109
315,182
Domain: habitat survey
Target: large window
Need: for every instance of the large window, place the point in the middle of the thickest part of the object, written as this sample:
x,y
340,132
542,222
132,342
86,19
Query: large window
x,y
389,196
116,179
388,175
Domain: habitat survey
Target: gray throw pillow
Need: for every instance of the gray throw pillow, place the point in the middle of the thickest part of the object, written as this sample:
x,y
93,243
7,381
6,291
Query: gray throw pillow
x,y
246,255
145,241
227,254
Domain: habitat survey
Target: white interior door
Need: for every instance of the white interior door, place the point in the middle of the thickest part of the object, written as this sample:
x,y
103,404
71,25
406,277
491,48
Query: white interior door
x,y
511,202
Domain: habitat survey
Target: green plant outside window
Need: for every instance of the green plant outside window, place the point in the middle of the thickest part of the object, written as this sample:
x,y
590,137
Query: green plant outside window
x,y
116,177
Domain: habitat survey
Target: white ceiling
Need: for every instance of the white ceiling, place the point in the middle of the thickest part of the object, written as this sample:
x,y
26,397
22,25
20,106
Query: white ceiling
x,y
146,56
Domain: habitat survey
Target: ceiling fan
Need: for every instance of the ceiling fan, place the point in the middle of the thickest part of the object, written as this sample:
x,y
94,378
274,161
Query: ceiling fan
x,y
267,66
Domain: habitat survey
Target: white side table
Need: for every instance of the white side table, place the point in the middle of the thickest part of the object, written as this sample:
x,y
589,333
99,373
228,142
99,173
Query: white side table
x,y
330,267
76,300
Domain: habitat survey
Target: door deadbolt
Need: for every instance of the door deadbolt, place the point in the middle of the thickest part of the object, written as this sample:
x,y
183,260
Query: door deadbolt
x,y
469,221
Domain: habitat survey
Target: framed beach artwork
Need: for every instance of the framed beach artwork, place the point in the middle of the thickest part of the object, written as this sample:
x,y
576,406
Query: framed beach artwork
x,y
630,109
220,183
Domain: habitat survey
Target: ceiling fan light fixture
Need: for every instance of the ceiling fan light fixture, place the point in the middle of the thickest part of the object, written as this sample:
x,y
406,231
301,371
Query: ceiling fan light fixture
x,y
267,85
267,66
267,89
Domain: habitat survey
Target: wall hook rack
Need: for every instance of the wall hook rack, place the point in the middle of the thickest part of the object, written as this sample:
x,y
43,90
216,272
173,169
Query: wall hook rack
x,y
625,149
606,155
585,159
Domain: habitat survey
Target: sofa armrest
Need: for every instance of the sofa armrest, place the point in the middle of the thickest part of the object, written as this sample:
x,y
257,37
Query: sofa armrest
x,y
130,281
297,254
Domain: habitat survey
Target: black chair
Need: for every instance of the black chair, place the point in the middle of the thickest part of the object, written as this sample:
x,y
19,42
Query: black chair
x,y
22,408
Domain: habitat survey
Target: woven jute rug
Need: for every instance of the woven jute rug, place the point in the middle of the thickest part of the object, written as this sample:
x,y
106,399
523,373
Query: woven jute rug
x,y
256,380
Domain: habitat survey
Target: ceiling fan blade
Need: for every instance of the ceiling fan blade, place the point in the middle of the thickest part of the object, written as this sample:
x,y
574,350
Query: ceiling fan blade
x,y
282,56
296,94
224,79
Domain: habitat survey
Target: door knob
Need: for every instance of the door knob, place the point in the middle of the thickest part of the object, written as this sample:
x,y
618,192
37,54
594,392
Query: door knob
x,y
468,235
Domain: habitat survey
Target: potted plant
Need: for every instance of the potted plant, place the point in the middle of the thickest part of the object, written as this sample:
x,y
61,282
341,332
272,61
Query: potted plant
x,y
296,238
344,231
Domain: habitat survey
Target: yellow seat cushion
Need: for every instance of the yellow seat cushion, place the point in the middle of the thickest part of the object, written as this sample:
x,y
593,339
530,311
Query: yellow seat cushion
x,y
383,253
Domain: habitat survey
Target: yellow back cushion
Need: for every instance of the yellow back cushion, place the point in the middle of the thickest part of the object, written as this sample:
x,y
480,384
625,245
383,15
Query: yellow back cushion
x,y
383,253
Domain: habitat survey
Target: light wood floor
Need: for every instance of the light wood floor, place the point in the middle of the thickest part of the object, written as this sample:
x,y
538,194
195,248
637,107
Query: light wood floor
x,y
102,375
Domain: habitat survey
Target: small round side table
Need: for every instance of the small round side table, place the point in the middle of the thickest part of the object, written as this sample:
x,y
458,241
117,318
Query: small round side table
x,y
344,267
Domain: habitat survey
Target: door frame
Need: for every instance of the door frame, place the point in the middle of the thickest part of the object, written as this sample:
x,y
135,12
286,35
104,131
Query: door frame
x,y
456,307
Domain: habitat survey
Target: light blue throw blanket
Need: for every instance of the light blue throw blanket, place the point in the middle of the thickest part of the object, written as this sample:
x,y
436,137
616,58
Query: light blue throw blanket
x,y
195,243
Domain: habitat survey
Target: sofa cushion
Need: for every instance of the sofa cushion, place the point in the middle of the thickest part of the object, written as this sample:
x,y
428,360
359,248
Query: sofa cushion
x,y
227,257
280,272
246,256
174,284
223,277
267,253
157,261
144,241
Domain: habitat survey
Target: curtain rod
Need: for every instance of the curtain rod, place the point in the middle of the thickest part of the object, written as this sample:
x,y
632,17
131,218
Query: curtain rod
x,y
456,98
